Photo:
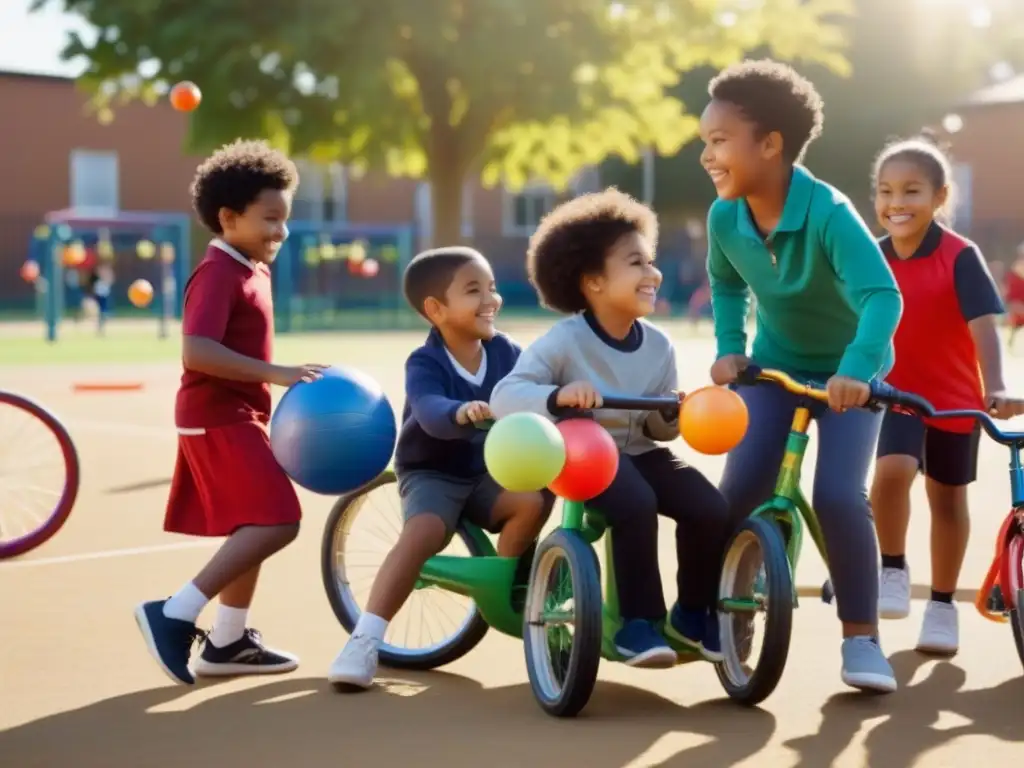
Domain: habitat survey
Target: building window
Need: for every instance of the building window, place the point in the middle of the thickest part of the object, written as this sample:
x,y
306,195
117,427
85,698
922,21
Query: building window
x,y
94,180
523,210
322,196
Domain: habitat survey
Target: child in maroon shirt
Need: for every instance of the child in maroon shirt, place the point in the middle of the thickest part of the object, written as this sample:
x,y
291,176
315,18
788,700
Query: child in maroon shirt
x,y
948,351
226,480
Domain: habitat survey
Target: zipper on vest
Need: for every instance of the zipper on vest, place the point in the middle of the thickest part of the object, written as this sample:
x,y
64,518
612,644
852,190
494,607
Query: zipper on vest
x,y
771,251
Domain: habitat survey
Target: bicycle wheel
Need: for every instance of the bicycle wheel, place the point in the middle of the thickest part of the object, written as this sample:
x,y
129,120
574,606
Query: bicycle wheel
x,y
39,475
756,582
1014,574
360,531
562,623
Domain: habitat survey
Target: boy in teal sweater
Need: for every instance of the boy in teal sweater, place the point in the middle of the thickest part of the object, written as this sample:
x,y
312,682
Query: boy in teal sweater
x,y
827,309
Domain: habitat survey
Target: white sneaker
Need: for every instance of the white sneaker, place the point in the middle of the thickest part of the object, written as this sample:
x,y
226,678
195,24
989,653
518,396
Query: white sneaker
x,y
940,630
894,593
356,664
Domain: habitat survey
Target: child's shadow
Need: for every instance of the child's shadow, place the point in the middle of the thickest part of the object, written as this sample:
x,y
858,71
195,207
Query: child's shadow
x,y
913,713
418,719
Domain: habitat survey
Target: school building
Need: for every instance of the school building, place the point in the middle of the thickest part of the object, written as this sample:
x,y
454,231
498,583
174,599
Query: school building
x,y
57,155
987,132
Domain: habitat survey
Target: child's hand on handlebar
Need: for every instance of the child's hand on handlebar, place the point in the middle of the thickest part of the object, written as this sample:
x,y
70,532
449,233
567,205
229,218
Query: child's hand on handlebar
x,y
1002,406
845,393
727,369
579,394
473,412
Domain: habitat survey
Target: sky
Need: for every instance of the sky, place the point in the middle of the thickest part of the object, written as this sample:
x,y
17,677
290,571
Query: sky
x,y
32,42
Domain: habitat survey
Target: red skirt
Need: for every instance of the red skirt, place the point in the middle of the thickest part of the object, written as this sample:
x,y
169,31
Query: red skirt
x,y
226,478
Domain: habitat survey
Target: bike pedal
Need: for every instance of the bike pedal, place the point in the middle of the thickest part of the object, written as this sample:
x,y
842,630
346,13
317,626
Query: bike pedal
x,y
827,593
996,603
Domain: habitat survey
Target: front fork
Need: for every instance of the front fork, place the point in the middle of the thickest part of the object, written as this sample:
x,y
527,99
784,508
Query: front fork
x,y
998,593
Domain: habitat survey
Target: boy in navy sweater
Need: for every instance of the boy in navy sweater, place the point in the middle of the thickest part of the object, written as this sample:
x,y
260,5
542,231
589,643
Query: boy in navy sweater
x,y
439,460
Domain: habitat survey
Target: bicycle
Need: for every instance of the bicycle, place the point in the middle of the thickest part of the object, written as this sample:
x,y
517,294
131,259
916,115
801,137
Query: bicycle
x,y
1001,595
61,484
566,626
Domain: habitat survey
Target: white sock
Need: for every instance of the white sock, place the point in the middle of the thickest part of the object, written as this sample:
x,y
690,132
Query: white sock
x,y
186,604
372,626
229,625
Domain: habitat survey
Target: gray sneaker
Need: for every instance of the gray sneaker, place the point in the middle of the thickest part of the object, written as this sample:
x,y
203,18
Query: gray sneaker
x,y
865,666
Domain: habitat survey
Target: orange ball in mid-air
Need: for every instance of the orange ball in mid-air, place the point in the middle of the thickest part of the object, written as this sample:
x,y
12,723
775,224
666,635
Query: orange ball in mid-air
x,y
713,420
185,96
140,293
29,271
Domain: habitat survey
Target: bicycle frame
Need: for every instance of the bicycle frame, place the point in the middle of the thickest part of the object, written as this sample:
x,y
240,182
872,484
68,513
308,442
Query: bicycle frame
x,y
788,508
1004,572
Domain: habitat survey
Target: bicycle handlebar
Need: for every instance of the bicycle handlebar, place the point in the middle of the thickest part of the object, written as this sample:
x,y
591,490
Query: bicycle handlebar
x,y
882,395
754,374
655,403
886,394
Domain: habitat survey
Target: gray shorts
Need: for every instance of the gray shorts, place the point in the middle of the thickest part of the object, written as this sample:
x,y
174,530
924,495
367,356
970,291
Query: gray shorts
x,y
425,492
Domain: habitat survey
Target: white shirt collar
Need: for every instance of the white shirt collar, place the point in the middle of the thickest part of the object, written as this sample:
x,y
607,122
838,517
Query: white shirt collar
x,y
233,252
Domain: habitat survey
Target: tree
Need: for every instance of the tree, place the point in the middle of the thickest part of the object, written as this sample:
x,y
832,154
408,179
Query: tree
x,y
910,63
511,89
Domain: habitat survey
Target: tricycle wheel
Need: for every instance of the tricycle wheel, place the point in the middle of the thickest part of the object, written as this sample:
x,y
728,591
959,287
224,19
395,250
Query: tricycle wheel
x,y
562,623
360,531
755,581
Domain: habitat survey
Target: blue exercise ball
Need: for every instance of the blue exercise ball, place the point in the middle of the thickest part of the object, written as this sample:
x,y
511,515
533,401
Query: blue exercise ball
x,y
334,435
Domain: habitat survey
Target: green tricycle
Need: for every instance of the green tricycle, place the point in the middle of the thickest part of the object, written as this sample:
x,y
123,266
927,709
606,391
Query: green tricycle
x,y
567,624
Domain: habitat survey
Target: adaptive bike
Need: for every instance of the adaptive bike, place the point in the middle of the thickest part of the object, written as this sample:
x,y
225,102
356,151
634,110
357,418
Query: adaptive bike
x,y
39,475
1001,596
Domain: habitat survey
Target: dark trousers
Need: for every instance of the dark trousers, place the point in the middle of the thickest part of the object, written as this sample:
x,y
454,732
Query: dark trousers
x,y
646,485
846,448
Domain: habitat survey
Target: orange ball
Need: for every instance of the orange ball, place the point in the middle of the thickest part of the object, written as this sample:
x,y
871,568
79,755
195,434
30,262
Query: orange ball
x,y
713,420
140,293
29,271
185,96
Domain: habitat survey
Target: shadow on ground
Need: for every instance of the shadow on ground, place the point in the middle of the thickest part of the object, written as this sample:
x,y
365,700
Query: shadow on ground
x,y
433,719
439,719
911,726
136,487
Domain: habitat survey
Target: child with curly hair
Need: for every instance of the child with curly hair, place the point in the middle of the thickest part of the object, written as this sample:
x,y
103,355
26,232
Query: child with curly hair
x,y
827,309
592,259
226,480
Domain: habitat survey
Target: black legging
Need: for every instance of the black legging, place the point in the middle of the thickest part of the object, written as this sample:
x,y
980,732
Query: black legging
x,y
646,485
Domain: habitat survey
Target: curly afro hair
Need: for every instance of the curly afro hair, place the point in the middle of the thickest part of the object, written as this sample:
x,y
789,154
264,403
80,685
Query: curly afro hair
x,y
774,97
431,272
235,175
574,239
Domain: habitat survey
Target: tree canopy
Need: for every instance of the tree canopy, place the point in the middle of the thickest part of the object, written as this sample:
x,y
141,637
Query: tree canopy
x,y
514,90
910,63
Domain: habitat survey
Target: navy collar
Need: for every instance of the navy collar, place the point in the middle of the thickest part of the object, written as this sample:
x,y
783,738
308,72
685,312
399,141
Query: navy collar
x,y
928,246
631,343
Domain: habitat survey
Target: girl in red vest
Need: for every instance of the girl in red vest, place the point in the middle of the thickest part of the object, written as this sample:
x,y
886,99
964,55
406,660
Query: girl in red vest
x,y
948,351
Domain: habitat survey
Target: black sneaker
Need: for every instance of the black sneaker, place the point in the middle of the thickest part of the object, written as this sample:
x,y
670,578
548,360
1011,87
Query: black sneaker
x,y
169,640
246,656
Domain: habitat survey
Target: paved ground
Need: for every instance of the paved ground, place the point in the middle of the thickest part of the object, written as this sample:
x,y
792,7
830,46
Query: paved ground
x,y
78,689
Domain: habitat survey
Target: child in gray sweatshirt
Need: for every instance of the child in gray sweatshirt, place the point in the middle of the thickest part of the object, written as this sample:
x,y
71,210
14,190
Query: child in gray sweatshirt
x,y
592,258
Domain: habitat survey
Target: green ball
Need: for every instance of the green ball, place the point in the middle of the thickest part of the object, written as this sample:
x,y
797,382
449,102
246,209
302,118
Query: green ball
x,y
524,452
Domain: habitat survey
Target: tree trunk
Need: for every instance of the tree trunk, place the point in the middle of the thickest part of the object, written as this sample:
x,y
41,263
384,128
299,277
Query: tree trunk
x,y
446,184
